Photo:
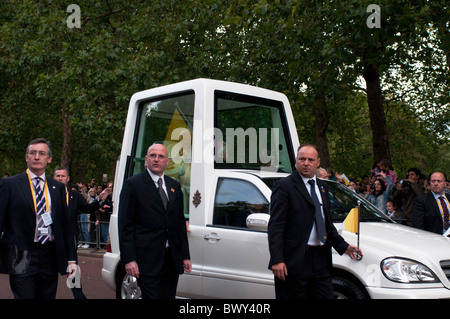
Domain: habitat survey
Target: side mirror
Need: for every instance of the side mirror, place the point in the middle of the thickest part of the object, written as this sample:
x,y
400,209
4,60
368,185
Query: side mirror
x,y
258,221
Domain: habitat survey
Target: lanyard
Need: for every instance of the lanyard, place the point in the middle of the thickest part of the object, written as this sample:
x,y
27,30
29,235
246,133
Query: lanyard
x,y
34,195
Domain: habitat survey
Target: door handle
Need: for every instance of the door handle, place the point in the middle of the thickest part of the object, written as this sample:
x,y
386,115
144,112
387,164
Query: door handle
x,y
212,237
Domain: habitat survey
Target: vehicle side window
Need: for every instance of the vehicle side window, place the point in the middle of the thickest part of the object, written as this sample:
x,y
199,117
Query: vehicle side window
x,y
236,199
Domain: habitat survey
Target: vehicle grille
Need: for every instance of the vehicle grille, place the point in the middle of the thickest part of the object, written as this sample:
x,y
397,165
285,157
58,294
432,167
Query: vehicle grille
x,y
445,265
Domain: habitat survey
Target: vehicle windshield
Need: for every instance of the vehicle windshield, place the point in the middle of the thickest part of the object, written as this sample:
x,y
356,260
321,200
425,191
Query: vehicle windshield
x,y
251,133
343,200
166,120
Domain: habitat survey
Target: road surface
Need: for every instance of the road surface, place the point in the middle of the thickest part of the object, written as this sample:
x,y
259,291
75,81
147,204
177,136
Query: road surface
x,y
91,280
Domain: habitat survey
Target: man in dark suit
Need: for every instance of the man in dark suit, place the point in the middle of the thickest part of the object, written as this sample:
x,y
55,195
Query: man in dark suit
x,y
36,238
77,203
301,232
430,211
152,228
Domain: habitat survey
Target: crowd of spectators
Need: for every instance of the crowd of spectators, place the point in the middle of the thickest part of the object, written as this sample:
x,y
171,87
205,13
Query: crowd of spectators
x,y
391,194
93,228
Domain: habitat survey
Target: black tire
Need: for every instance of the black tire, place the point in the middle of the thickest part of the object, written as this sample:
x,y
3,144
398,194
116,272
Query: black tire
x,y
346,289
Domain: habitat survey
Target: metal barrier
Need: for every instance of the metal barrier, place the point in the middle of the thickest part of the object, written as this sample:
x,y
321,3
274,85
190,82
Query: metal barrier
x,y
94,234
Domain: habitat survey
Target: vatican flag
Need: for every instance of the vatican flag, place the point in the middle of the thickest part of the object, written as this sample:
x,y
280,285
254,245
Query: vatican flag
x,y
351,222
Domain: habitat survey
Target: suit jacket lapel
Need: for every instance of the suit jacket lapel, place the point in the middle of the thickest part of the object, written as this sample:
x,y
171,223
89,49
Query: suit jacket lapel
x,y
323,195
435,204
153,190
24,186
300,186
53,193
170,191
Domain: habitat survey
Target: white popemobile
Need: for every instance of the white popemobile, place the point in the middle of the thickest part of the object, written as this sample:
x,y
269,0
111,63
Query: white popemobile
x,y
229,143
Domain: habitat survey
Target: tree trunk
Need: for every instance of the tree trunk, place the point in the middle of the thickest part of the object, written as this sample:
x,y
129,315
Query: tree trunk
x,y
380,140
67,150
321,121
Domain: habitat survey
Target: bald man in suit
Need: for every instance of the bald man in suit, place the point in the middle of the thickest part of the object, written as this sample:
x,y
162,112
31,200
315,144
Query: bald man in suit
x,y
300,235
430,211
152,228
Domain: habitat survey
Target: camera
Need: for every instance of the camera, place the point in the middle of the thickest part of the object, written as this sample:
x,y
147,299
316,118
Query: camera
x,y
405,183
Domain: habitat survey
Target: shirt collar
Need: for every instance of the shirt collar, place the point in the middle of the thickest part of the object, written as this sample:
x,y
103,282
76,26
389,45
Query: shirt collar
x,y
33,175
306,179
155,177
437,195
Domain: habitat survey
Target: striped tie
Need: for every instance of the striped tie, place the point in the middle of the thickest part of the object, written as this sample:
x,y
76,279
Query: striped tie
x,y
445,212
40,209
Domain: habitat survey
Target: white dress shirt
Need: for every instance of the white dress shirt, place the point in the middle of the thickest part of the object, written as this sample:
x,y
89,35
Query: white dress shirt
x,y
313,238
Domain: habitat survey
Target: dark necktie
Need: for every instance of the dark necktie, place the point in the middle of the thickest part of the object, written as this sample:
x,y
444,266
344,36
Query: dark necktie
x,y
320,225
444,211
162,193
40,209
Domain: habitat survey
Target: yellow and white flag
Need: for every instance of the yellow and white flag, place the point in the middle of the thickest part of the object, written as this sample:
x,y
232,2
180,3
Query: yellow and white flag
x,y
351,222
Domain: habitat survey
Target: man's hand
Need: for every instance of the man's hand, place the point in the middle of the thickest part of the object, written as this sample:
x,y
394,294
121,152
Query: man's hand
x,y
105,193
280,271
354,252
132,269
187,265
71,269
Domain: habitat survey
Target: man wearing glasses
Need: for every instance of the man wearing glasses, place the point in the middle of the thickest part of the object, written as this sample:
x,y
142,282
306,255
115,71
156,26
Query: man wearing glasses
x,y
36,240
152,228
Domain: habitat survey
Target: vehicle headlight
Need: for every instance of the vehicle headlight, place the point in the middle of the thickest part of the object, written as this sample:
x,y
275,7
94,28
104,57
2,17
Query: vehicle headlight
x,y
407,271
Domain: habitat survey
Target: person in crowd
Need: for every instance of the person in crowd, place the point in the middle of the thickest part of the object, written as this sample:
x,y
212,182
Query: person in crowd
x,y
92,219
431,211
92,195
83,217
380,193
330,174
103,216
352,185
407,190
385,167
152,228
37,240
322,173
392,210
99,189
301,232
77,204
365,181
76,201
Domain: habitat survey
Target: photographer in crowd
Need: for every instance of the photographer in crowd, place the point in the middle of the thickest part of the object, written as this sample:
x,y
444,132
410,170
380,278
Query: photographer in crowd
x,y
407,190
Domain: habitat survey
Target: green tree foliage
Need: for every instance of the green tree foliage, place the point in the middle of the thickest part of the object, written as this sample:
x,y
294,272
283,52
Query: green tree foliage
x,y
72,85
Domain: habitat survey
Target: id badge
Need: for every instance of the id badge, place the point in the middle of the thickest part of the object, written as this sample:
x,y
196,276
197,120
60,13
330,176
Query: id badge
x,y
42,231
47,218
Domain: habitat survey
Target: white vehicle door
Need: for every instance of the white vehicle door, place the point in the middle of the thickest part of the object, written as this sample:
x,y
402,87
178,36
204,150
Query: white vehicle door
x,y
235,258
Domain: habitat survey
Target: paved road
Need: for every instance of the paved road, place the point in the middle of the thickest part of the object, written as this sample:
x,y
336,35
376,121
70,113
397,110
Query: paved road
x,y
91,280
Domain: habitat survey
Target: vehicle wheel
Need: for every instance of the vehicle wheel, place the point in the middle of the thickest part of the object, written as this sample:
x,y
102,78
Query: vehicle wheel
x,y
346,289
127,287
